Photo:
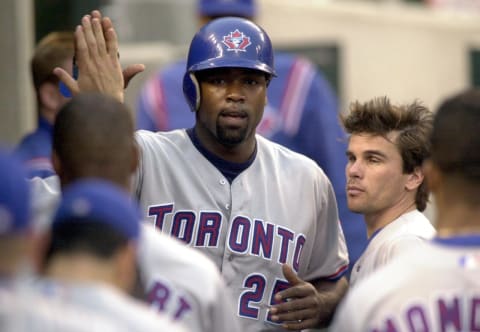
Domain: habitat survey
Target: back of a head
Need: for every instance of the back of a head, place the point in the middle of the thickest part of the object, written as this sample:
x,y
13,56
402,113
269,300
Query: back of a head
x,y
455,140
227,42
220,8
94,216
94,137
50,52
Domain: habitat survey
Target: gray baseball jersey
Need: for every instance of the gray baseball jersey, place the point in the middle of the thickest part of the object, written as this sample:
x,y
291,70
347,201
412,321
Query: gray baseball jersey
x,y
24,309
433,289
410,230
181,282
133,315
281,209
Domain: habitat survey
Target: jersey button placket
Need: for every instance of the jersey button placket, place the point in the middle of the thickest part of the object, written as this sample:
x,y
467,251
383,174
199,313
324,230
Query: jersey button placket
x,y
228,256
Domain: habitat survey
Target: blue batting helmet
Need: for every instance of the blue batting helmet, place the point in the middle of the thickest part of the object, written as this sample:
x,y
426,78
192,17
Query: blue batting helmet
x,y
228,42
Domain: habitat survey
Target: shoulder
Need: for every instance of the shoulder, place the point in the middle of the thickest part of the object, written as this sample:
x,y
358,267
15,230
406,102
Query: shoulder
x,y
28,307
148,139
37,142
414,224
166,256
131,313
289,160
410,230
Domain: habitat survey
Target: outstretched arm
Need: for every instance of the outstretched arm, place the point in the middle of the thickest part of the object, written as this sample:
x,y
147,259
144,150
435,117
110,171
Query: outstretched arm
x,y
96,53
307,304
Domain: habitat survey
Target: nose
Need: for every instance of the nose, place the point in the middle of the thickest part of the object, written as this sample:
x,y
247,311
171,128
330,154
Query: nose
x,y
353,169
235,92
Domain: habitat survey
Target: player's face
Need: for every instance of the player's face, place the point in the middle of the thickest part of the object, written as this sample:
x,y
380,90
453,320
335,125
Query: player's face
x,y
375,179
232,103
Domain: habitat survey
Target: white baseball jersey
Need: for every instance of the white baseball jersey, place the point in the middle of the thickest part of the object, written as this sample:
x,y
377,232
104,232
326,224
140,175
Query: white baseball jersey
x,y
110,302
407,231
433,289
181,282
24,309
184,283
281,209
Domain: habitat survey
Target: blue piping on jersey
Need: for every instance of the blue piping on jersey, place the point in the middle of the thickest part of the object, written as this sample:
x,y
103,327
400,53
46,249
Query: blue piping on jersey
x,y
459,240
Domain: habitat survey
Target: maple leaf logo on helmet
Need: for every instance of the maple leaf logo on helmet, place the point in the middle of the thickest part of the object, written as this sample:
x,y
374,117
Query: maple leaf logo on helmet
x,y
236,41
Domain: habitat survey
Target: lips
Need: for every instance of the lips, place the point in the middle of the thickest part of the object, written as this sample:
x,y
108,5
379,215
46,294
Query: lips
x,y
354,190
234,113
233,118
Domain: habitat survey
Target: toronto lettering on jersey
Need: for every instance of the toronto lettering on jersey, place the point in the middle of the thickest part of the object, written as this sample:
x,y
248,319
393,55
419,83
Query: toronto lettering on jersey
x,y
244,236
455,313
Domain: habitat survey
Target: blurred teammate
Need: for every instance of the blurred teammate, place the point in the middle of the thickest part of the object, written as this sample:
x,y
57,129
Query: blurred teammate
x,y
90,259
22,308
35,149
227,191
437,287
179,281
301,113
385,181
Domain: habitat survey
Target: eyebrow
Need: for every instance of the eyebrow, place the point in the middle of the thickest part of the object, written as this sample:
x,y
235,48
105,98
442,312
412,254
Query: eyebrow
x,y
368,153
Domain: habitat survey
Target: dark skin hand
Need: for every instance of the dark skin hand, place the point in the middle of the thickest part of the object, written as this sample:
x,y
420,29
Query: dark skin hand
x,y
307,304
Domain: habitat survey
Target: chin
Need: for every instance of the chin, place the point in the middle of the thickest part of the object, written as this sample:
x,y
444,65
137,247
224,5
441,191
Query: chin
x,y
356,208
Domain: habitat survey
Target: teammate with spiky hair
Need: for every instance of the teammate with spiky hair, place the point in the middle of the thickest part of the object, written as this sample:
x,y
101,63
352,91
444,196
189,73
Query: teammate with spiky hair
x,y
437,287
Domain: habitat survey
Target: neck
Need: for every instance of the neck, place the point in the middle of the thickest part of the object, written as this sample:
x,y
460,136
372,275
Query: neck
x,y
81,268
238,153
380,219
48,115
457,218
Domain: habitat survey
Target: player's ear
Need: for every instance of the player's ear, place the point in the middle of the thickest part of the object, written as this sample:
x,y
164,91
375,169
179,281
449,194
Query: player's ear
x,y
415,179
50,96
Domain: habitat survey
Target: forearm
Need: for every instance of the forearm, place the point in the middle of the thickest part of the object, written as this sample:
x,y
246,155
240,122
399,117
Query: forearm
x,y
330,294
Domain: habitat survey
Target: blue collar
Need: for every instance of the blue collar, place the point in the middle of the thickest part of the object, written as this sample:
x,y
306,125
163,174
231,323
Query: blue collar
x,y
228,169
45,125
470,240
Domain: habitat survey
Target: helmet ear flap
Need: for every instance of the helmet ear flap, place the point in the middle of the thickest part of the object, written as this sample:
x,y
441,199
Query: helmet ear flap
x,y
191,90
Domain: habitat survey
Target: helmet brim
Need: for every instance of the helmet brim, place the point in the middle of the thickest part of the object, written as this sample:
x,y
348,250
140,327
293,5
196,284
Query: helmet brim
x,y
228,63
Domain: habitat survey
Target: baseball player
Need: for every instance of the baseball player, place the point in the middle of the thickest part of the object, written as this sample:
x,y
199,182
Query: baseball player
x,y
267,216
35,149
436,288
90,257
22,307
301,113
386,148
179,281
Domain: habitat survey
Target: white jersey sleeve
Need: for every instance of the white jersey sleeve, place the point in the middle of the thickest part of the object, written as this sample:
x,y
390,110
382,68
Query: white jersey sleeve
x,y
184,284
